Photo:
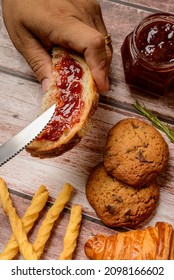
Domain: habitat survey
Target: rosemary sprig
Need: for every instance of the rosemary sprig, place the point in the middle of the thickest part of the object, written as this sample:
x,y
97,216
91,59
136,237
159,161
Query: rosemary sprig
x,y
154,120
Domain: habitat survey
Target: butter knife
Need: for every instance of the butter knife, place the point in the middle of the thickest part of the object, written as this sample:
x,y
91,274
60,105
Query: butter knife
x,y
17,143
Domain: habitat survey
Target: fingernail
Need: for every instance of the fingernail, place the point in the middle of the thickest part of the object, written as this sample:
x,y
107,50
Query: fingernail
x,y
45,84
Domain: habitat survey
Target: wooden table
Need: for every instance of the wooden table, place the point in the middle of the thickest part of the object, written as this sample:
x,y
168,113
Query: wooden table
x,y
20,98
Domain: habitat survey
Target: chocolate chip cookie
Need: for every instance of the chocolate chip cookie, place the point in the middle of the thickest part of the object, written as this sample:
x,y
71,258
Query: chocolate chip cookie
x,y
118,204
135,152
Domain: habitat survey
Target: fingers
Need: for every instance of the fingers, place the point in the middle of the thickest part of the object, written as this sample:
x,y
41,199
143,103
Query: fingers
x,y
100,26
90,42
40,62
96,59
75,27
37,57
76,35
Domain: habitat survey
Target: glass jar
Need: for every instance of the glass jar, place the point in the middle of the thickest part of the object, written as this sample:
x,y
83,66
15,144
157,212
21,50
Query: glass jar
x,y
148,54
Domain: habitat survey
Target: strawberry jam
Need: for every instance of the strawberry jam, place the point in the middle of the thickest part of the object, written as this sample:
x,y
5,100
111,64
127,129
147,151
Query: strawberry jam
x,y
69,102
155,42
148,54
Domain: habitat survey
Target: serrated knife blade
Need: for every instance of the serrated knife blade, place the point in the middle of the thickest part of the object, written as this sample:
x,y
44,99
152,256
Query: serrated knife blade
x,y
18,142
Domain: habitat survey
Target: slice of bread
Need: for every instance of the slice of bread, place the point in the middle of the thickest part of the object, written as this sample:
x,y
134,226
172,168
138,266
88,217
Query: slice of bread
x,y
73,90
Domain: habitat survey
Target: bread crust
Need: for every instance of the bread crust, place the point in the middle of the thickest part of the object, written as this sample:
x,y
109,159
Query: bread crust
x,y
45,148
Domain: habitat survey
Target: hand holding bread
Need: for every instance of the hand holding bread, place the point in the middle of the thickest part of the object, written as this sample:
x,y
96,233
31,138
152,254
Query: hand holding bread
x,y
73,90
36,26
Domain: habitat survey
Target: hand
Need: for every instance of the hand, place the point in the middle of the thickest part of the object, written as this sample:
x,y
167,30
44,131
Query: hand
x,y
34,26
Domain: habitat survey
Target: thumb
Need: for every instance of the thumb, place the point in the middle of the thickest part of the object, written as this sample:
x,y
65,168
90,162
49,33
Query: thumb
x,y
89,42
39,60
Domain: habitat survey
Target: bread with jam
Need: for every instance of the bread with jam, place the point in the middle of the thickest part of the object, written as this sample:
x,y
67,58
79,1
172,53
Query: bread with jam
x,y
73,90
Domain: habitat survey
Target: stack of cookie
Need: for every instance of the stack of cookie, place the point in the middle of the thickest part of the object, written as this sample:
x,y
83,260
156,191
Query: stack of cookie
x,y
123,189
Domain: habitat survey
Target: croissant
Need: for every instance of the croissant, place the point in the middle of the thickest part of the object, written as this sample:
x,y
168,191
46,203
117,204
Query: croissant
x,y
153,243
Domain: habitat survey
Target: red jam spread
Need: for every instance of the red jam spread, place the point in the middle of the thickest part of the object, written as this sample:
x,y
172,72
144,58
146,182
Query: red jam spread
x,y
69,102
155,42
148,54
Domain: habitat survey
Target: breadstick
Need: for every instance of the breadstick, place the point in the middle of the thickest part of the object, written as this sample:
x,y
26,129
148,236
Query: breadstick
x,y
25,246
72,232
31,215
52,215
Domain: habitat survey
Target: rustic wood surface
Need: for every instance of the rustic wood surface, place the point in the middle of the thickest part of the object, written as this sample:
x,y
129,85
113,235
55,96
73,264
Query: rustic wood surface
x,y
20,98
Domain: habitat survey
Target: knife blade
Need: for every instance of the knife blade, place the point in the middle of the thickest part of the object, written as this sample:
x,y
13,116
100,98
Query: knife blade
x,y
17,143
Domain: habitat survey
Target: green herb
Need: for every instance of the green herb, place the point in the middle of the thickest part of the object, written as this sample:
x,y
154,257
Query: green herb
x,y
154,120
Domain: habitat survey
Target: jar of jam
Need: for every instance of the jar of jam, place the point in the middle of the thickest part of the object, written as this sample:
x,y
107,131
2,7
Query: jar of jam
x,y
148,54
